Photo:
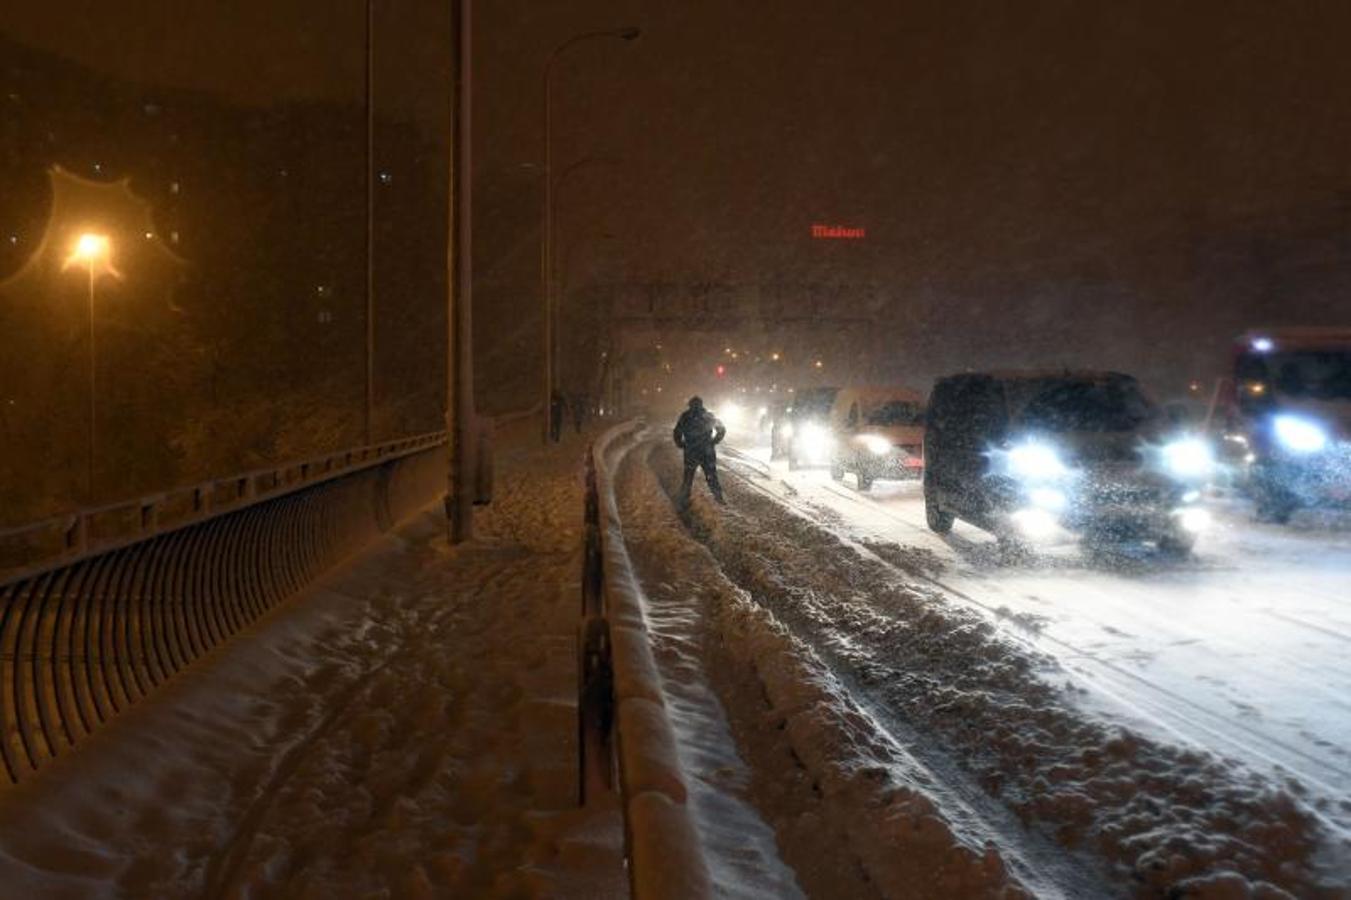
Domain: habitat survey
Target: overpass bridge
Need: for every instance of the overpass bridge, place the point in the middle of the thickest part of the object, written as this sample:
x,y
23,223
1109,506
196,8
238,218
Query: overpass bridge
x,y
101,606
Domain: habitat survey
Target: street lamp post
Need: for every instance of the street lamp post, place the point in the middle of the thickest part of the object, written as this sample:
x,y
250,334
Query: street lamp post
x,y
554,302
461,428
546,244
93,251
368,417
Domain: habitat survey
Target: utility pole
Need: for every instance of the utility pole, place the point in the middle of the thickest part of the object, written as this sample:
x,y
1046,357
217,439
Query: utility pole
x,y
369,416
547,218
93,394
460,430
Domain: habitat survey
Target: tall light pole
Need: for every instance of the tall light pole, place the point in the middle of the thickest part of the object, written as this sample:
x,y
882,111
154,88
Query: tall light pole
x,y
552,309
94,252
564,279
462,481
369,416
546,244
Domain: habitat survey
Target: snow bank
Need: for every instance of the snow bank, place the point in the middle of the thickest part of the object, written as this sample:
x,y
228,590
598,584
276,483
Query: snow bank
x,y
664,847
1165,819
850,823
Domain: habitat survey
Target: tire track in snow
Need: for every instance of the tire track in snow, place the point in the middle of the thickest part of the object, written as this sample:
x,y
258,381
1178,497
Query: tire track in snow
x,y
1234,787
1043,866
1110,677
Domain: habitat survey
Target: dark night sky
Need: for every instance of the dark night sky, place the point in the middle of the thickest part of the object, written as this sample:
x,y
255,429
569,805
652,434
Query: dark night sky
x,y
1041,162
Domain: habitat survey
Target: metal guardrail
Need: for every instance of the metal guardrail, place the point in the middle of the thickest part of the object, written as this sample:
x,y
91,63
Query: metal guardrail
x,y
622,714
33,548
134,592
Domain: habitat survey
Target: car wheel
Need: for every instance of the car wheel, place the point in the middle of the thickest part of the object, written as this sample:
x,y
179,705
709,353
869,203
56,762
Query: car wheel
x,y
837,471
939,521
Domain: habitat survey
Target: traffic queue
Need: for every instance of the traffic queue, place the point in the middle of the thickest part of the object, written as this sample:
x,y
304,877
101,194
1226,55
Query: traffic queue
x,y
1029,454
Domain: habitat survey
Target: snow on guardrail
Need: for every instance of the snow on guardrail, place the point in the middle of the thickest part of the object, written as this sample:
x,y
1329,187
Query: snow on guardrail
x,y
664,849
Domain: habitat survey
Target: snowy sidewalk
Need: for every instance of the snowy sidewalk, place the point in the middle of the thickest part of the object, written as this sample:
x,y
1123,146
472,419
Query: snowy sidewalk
x,y
406,727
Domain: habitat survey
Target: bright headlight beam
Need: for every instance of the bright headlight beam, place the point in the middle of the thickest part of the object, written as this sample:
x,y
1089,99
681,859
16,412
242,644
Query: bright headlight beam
x,y
1299,434
1189,458
1036,461
1035,523
815,441
1048,499
876,444
1194,520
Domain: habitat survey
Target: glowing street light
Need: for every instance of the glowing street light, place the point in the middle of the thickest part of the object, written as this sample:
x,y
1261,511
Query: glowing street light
x,y
94,252
89,250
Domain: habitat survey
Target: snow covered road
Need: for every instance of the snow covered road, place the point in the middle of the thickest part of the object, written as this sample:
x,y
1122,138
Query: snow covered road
x,y
1043,712
1244,650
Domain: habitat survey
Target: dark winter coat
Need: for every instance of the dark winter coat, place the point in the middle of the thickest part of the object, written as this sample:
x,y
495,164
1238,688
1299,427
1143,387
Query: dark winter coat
x,y
697,431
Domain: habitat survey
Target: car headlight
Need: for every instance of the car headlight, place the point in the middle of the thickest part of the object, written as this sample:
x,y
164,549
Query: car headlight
x,y
786,429
1036,462
732,414
876,444
1193,519
1299,434
815,441
1189,458
1035,523
1048,499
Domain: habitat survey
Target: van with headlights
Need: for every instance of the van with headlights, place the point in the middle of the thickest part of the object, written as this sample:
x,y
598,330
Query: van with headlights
x,y
878,434
1031,455
805,429
1291,405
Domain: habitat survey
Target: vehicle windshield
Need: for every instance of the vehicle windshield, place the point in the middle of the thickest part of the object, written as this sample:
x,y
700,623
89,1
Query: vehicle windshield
x,y
813,402
897,412
1087,404
1303,374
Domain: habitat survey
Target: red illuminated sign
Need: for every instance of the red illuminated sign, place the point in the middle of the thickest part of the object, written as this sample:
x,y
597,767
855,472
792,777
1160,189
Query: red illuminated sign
x,y
839,232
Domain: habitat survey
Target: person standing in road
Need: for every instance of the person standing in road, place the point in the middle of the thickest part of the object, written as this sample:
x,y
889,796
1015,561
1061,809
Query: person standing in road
x,y
697,433
558,408
580,409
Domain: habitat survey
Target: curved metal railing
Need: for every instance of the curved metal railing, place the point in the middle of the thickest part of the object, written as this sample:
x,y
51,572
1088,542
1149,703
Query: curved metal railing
x,y
100,607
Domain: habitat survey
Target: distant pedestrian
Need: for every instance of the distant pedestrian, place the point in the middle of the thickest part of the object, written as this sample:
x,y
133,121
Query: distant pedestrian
x,y
579,412
697,433
558,408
